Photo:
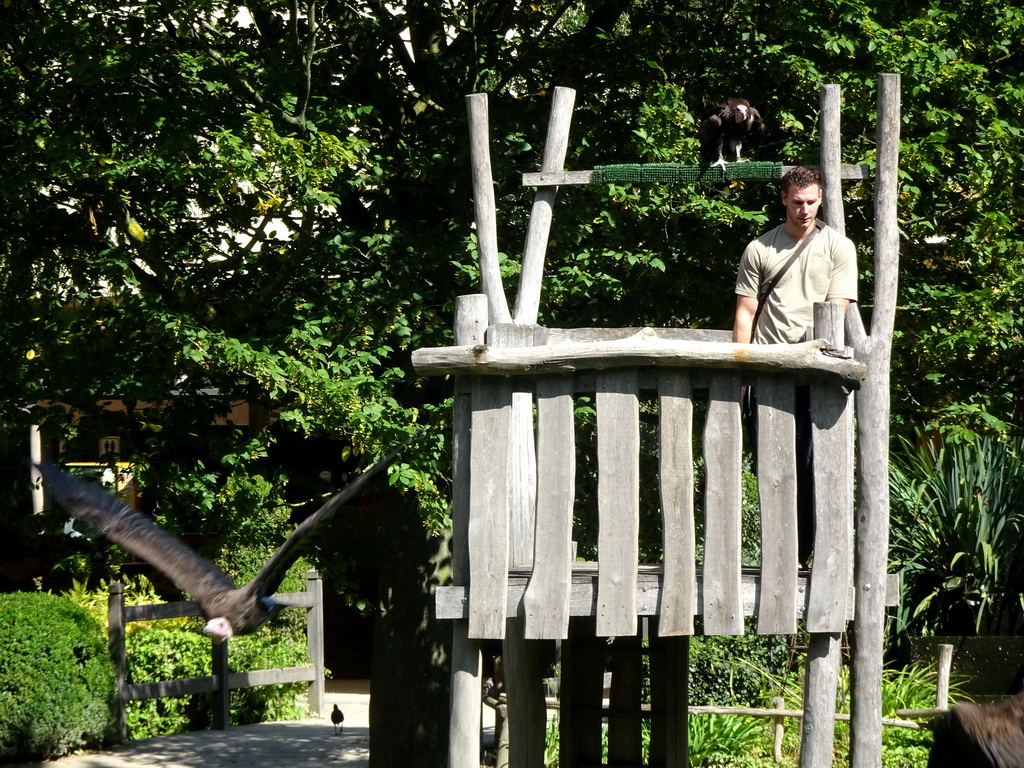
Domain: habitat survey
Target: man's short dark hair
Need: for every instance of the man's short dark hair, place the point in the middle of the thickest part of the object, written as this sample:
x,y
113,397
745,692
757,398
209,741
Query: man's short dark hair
x,y
800,177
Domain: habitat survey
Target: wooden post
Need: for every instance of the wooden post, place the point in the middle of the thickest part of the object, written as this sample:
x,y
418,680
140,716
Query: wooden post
x,y
778,730
872,516
831,157
824,653
222,694
115,642
486,216
527,715
464,722
315,641
830,576
942,683
532,274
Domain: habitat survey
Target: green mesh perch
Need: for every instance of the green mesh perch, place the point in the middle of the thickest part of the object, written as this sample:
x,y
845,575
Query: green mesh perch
x,y
664,173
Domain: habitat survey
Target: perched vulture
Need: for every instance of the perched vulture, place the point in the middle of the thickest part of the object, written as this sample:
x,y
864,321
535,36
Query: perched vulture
x,y
229,610
730,128
980,736
337,717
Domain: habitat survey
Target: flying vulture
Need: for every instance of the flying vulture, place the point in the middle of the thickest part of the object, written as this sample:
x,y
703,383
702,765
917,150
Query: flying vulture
x,y
980,736
730,128
229,610
337,717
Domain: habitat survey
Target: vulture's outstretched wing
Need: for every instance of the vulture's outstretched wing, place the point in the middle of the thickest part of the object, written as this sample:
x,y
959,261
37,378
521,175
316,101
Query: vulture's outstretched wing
x,y
270,576
90,502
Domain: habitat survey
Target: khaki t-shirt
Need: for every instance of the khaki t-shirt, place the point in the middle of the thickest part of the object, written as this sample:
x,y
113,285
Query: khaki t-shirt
x,y
827,269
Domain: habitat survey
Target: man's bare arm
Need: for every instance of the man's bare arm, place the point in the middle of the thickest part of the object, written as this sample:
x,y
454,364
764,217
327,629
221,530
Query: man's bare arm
x,y
743,321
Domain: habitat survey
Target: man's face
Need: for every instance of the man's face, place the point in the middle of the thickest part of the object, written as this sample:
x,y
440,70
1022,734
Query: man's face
x,y
802,205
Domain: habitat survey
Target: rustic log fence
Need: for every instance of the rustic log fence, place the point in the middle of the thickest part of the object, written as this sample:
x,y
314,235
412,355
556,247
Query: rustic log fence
x,y
222,681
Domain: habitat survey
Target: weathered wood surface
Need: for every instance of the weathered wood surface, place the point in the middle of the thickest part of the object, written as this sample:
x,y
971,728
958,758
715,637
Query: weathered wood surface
x,y
546,601
873,443
485,209
618,500
642,350
466,658
565,178
723,458
452,602
777,487
679,588
532,273
488,494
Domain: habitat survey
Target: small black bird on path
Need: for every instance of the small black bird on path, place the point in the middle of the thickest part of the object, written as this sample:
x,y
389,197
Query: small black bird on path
x,y
730,127
980,736
337,717
229,610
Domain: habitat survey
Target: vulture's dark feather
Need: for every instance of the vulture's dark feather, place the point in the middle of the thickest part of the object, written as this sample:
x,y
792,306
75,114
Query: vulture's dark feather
x,y
242,610
980,736
729,129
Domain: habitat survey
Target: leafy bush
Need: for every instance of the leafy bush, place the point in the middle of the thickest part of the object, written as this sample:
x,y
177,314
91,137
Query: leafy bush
x,y
716,676
958,517
56,677
159,653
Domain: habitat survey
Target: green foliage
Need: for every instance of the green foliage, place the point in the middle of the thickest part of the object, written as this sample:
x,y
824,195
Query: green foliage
x,y
957,521
56,678
731,670
714,739
158,654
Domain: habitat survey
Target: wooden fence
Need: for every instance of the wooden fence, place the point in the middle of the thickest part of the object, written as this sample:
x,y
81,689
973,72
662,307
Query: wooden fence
x,y
221,681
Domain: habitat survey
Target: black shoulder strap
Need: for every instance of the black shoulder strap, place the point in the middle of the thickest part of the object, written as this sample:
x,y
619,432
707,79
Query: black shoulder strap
x,y
767,288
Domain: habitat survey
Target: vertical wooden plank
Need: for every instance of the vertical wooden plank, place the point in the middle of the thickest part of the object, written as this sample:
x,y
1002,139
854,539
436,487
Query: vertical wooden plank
x,y
488,521
115,642
776,479
618,500
546,601
464,708
522,454
679,583
723,606
625,746
831,571
315,640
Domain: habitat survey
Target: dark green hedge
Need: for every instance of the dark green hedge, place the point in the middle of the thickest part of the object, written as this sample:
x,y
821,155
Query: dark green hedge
x,y
56,677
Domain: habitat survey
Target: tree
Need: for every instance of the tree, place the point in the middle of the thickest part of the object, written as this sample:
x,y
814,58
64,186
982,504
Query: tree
x,y
268,202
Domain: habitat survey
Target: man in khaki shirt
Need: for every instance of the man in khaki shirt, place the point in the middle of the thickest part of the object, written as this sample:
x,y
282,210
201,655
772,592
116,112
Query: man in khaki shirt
x,y
826,270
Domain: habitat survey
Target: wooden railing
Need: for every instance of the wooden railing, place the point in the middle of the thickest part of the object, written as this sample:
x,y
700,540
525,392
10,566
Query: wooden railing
x,y
668,371
221,682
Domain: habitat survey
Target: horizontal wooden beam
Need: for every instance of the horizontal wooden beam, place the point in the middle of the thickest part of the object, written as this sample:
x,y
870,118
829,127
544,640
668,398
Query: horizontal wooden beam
x,y
168,689
271,677
644,349
566,178
188,608
452,602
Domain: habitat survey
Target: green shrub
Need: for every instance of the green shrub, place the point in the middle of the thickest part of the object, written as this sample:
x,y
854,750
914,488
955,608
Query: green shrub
x,y
159,653
730,671
56,677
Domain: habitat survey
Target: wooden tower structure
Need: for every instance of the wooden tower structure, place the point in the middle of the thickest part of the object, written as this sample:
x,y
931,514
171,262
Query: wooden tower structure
x,y
515,576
